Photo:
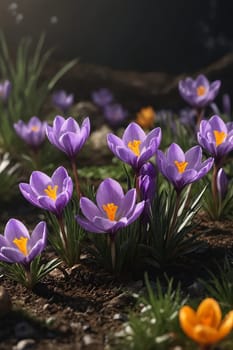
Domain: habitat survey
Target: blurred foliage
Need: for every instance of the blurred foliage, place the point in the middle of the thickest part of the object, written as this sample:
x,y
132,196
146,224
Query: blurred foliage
x,y
8,177
219,284
155,325
29,91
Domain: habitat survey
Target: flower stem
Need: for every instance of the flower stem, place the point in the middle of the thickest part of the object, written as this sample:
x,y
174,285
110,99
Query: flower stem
x,y
200,113
215,189
63,232
174,215
28,277
76,181
112,244
36,158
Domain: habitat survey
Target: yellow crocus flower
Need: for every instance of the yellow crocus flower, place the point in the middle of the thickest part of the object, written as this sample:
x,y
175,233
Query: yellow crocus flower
x,y
205,326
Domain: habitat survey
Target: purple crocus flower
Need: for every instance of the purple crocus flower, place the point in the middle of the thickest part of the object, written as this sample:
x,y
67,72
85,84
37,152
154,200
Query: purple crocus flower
x,y
115,114
33,132
49,193
182,168
135,148
147,178
5,90
216,137
113,211
102,97
199,92
18,246
62,100
67,135
222,183
147,184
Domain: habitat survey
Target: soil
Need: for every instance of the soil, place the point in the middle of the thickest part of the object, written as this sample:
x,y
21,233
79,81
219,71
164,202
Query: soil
x,y
83,308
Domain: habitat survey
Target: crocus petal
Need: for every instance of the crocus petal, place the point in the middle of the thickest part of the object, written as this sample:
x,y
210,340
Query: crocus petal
x,y
188,320
103,224
226,325
13,255
153,139
137,212
3,242
193,156
71,125
4,258
28,194
133,132
47,203
38,234
205,335
61,202
127,156
39,182
175,153
127,204
89,209
109,191
36,250
69,143
87,225
58,177
209,313
218,124
15,229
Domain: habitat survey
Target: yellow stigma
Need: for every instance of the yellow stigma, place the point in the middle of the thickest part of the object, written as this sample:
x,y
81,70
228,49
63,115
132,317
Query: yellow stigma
x,y
110,209
201,90
51,192
35,128
134,146
21,244
181,166
220,137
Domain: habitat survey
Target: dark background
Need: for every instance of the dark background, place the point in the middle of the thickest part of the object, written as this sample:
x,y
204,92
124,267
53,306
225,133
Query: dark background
x,y
174,36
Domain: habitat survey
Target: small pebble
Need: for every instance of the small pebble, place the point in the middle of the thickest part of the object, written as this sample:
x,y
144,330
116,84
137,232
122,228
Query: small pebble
x,y
45,307
25,344
120,317
86,327
50,320
88,340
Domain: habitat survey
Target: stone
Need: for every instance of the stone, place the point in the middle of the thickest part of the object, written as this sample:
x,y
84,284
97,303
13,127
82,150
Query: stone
x,y
5,302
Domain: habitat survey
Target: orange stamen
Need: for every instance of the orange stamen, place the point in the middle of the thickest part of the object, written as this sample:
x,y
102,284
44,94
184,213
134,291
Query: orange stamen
x,y
51,192
21,244
220,137
110,209
35,128
181,166
201,90
134,146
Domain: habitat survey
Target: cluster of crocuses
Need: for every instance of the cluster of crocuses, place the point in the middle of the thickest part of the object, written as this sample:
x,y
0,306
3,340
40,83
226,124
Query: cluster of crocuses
x,y
114,209
113,112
